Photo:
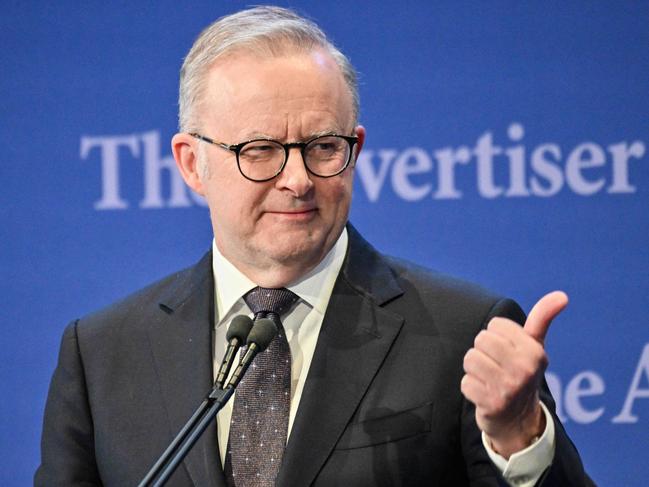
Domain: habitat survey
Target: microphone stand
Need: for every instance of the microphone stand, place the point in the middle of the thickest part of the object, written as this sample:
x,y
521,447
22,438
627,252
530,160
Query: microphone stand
x,y
187,437
259,338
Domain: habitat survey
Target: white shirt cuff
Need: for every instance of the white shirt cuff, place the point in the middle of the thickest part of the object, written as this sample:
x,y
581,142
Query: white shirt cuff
x,y
524,468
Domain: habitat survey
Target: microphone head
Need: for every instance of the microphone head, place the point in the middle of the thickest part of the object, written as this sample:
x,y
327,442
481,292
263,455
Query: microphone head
x,y
262,333
239,328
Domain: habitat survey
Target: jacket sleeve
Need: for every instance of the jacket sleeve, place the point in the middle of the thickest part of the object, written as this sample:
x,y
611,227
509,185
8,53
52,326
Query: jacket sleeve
x,y
67,443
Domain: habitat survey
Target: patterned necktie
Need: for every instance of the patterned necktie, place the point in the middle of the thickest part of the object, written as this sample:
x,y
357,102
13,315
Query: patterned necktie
x,y
259,425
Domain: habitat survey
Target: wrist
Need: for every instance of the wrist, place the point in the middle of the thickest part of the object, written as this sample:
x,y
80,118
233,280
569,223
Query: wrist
x,y
523,434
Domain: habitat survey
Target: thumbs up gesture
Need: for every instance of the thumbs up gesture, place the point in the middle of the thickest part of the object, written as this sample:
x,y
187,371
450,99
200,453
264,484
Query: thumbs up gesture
x,y
503,372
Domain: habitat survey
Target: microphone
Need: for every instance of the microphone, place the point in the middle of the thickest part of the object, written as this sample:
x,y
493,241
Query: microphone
x,y
237,334
262,333
259,337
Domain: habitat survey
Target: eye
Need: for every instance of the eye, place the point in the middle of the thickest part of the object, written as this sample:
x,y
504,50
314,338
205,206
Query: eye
x,y
260,150
325,146
257,148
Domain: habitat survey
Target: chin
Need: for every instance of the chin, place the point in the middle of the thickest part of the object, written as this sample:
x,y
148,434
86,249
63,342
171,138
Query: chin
x,y
294,249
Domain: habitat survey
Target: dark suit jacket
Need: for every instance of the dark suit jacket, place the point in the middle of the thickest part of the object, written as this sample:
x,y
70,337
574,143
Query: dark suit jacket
x,y
381,405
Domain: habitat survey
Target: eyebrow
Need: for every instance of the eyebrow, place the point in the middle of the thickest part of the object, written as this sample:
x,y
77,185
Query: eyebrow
x,y
325,132
313,135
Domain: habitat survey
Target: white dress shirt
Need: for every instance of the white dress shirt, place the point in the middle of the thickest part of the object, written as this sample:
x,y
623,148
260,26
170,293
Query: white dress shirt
x,y
302,326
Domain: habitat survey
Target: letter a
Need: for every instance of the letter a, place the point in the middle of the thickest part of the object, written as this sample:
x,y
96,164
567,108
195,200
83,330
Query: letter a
x,y
635,392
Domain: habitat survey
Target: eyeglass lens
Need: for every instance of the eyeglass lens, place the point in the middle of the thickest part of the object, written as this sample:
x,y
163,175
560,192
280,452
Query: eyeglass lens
x,y
324,156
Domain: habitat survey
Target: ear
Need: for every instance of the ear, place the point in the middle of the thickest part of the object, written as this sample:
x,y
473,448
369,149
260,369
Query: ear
x,y
359,132
185,150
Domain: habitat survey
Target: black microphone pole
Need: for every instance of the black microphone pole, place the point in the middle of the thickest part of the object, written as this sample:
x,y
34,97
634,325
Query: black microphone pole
x,y
236,336
262,333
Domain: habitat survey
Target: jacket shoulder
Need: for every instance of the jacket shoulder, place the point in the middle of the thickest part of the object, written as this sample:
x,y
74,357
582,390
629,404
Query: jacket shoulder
x,y
426,280
421,294
464,306
138,308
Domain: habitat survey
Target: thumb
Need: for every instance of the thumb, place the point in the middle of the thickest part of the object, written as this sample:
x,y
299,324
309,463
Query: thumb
x,y
543,312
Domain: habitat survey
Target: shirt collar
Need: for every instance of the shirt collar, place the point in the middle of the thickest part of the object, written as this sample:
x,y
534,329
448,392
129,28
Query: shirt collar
x,y
314,288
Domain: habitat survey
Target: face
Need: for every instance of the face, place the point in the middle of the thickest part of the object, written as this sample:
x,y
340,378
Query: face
x,y
278,230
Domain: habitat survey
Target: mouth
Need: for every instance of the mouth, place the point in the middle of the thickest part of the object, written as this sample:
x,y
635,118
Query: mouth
x,y
304,214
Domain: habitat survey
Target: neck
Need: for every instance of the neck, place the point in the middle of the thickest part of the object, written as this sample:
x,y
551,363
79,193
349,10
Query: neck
x,y
273,277
275,274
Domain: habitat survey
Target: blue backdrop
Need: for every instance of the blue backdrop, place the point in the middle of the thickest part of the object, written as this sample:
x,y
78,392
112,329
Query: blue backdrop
x,y
508,143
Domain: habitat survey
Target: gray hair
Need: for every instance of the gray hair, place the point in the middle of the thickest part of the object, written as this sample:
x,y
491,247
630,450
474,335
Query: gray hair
x,y
270,31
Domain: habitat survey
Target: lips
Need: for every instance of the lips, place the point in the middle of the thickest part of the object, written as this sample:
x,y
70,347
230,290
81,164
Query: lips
x,y
295,214
293,211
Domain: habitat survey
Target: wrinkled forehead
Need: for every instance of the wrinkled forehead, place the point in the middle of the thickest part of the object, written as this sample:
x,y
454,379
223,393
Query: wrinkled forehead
x,y
255,52
248,74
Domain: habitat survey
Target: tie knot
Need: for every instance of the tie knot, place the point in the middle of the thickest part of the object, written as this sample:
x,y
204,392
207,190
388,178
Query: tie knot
x,y
268,300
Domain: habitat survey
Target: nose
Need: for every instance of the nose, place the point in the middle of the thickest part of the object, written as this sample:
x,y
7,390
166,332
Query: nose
x,y
295,176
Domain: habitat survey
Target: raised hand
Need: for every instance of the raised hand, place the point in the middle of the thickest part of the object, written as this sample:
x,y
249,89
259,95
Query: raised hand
x,y
503,372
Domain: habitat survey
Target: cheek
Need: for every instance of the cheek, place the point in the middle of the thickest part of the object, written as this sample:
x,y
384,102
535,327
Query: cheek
x,y
237,204
222,199
337,197
342,192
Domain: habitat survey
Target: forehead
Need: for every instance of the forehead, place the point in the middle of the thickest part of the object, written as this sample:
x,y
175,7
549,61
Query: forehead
x,y
294,87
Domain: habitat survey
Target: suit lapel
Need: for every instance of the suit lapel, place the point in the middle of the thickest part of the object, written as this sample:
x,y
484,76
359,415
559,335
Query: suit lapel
x,y
181,342
356,335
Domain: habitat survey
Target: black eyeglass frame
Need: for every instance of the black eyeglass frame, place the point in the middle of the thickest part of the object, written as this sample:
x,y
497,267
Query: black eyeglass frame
x,y
352,140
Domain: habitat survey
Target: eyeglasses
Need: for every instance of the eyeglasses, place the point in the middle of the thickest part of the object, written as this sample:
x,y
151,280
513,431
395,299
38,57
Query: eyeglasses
x,y
261,160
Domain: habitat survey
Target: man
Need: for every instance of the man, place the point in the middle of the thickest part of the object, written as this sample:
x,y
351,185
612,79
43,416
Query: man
x,y
391,380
